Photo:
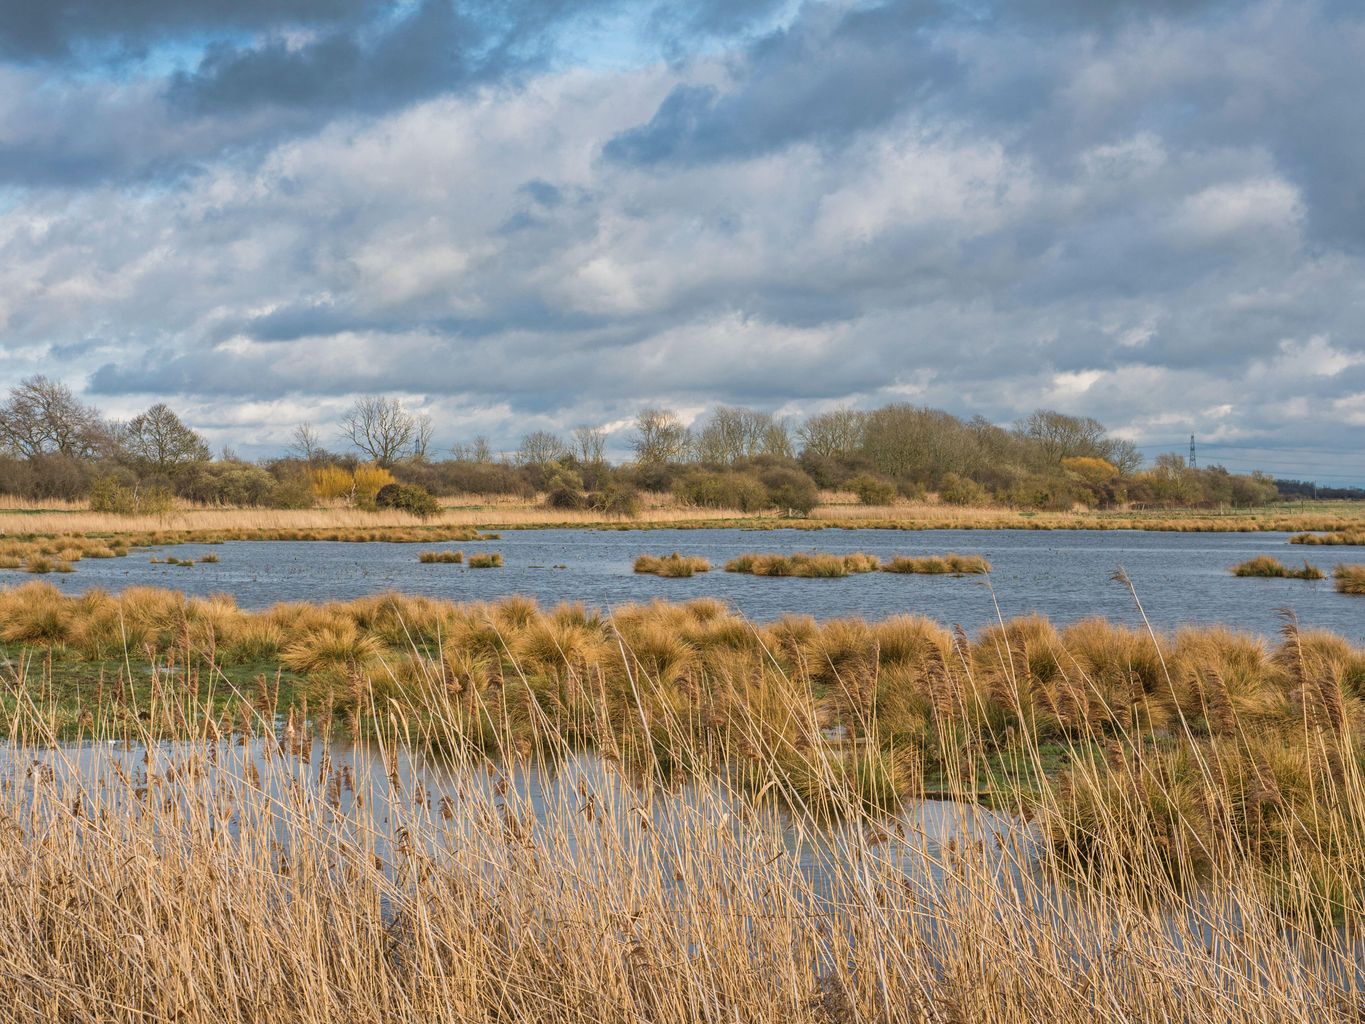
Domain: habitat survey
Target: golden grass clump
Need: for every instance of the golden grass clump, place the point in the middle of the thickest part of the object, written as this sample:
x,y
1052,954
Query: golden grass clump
x,y
673,566
1334,538
441,557
939,565
1350,579
1270,567
336,649
812,565
486,560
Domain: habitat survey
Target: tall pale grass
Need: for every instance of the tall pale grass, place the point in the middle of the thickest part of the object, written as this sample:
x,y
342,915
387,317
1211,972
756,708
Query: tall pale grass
x,y
244,869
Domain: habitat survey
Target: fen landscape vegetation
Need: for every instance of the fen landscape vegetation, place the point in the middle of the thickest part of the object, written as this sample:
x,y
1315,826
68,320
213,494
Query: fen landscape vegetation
x,y
398,808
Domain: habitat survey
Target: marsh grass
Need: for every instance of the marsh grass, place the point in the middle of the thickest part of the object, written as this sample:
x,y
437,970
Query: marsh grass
x,y
673,566
486,560
813,565
1176,834
1267,566
1350,579
1335,538
441,557
938,565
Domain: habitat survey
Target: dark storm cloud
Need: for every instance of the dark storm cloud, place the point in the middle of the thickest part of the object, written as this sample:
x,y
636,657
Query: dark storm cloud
x,y
259,74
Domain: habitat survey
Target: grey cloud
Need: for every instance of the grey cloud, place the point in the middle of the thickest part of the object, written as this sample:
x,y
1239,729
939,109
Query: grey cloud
x,y
54,29
1123,218
429,50
829,74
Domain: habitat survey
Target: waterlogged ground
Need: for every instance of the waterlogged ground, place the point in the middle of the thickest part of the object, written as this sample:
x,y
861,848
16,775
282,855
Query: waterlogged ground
x,y
1181,578
377,797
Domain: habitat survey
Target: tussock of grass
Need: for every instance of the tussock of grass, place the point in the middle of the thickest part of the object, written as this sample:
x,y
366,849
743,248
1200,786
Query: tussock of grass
x,y
1266,566
938,565
210,558
1350,579
674,566
488,560
38,564
441,557
1335,538
813,565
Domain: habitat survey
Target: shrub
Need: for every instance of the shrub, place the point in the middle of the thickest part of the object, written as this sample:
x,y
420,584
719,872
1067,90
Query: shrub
x,y
616,499
564,489
359,486
227,483
872,490
707,489
293,492
456,476
959,490
791,490
410,498
330,482
369,480
1091,469
109,495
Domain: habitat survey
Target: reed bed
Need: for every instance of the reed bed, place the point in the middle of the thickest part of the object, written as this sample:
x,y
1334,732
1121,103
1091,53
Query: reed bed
x,y
928,515
672,566
1335,538
661,511
486,560
813,565
939,565
738,850
1350,579
42,554
441,557
1269,567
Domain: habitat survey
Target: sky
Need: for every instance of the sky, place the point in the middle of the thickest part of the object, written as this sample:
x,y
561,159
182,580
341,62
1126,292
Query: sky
x,y
518,215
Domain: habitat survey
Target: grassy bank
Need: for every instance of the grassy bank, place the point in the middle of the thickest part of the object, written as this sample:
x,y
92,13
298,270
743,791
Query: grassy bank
x,y
1155,790
1338,521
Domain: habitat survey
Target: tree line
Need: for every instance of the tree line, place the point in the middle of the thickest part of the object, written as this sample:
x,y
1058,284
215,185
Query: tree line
x,y
53,445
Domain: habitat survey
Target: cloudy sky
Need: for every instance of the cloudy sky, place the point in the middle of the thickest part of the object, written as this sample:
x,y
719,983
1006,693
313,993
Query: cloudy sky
x,y
524,214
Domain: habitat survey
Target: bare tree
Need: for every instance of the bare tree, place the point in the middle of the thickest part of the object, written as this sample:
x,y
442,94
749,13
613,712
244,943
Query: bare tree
x,y
477,450
540,447
661,437
379,428
159,441
305,443
421,437
1059,436
777,439
589,444
44,417
837,432
733,433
